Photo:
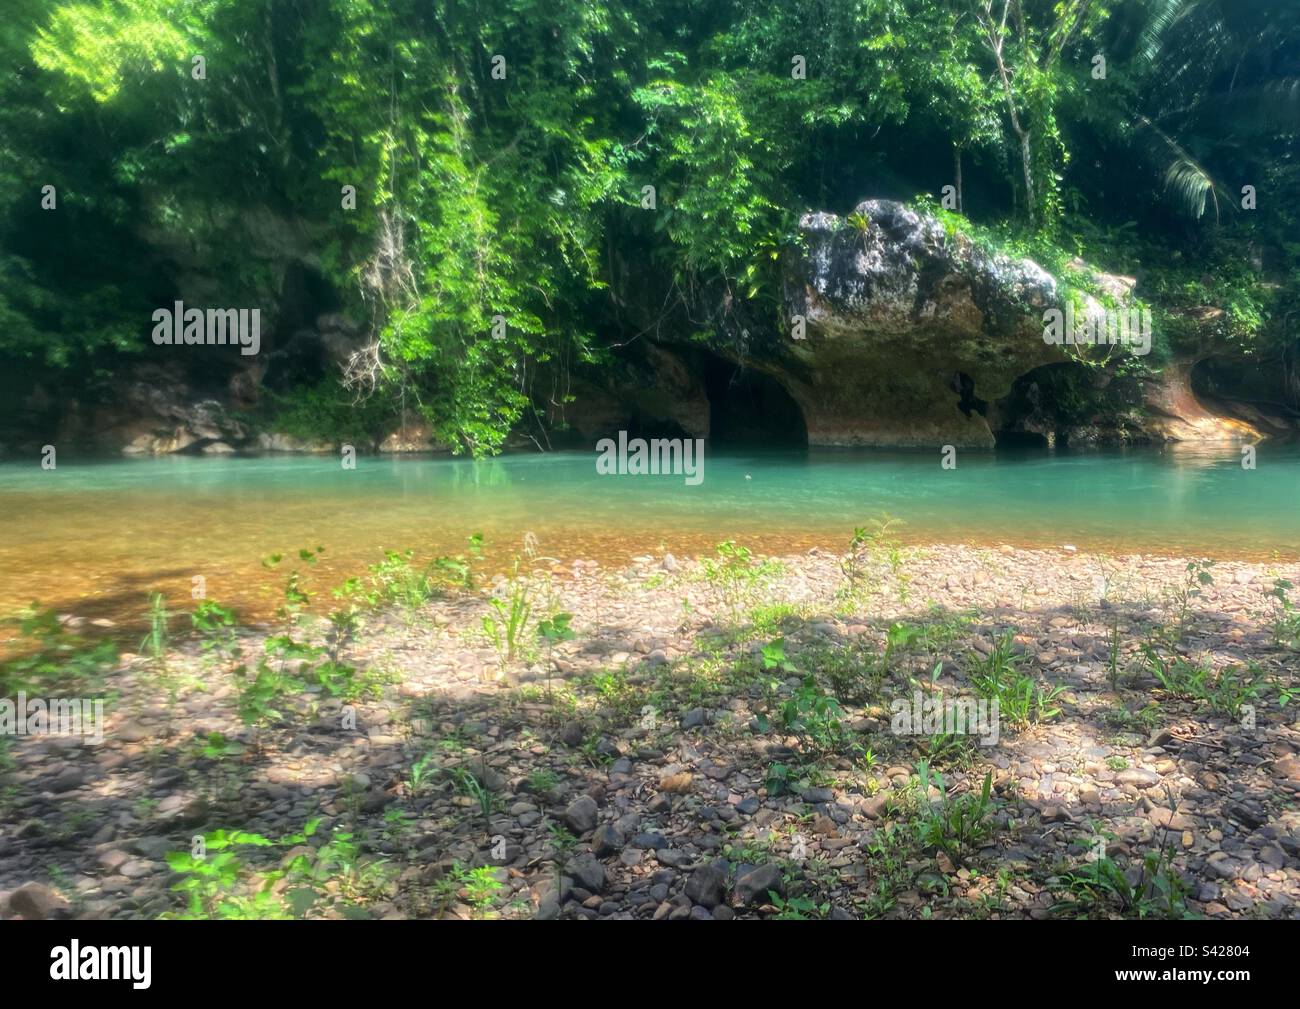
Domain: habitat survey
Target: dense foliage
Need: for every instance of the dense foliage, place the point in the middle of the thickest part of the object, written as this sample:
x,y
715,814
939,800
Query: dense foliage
x,y
503,231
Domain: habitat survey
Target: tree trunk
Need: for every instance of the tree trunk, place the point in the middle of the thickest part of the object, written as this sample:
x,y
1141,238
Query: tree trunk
x,y
1027,164
956,163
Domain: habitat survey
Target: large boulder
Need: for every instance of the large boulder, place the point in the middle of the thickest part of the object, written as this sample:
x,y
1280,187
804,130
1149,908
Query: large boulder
x,y
916,336
907,327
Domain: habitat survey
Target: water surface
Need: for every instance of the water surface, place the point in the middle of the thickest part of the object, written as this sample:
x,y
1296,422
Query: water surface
x,y
95,538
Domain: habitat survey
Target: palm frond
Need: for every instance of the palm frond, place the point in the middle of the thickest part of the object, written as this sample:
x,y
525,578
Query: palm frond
x,y
1191,183
1191,186
1167,16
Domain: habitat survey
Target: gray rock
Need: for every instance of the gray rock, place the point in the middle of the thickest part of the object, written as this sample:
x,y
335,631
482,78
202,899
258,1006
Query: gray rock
x,y
1138,776
572,734
752,888
581,814
607,840
67,780
708,884
587,872
37,902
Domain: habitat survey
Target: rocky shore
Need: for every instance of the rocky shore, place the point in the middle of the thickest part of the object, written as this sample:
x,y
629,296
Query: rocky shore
x,y
713,741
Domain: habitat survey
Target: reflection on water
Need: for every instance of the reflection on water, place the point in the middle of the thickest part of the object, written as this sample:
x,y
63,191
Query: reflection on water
x,y
96,538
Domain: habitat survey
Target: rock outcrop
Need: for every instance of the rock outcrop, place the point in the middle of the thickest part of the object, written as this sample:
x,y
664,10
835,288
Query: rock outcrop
x,y
907,327
916,336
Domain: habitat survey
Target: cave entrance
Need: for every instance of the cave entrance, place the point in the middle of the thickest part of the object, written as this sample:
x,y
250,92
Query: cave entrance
x,y
750,409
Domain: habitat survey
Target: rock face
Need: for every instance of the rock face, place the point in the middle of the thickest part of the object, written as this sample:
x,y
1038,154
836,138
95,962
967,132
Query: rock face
x,y
906,327
915,337
413,435
204,425
1174,413
652,391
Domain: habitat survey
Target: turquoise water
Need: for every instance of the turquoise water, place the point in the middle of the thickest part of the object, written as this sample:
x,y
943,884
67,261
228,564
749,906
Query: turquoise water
x,y
105,533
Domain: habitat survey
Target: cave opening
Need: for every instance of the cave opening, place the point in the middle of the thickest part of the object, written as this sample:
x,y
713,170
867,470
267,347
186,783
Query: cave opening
x,y
750,409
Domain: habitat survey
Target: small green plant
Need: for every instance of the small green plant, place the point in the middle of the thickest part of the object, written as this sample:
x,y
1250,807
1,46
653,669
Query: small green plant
x,y
53,657
154,644
215,626
1235,686
1112,662
344,622
216,746
1225,691
468,784
873,550
774,660
777,779
422,772
480,887
809,713
1101,884
295,596
953,825
1178,676
734,576
797,908
261,693
1286,614
552,631
506,623
814,716
217,884
900,637
1183,596
563,844
395,581
998,677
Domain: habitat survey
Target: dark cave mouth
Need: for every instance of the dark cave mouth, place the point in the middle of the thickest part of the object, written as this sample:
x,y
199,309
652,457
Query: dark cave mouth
x,y
750,409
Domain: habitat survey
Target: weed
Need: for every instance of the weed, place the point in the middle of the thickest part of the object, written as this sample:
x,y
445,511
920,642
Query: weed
x,y
1101,884
507,622
873,551
953,825
154,644
801,908
1286,615
468,784
735,576
1182,596
553,630
55,657
1225,691
215,625
998,677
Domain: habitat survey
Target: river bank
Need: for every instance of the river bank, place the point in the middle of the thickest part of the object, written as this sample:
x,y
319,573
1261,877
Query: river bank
x,y
717,739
